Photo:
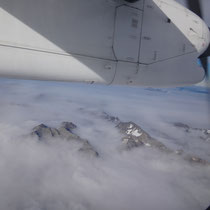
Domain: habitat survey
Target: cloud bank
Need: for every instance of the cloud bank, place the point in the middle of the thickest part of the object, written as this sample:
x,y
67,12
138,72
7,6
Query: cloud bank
x,y
50,176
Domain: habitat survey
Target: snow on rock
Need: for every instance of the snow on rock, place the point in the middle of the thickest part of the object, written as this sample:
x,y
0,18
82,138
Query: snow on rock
x,y
136,136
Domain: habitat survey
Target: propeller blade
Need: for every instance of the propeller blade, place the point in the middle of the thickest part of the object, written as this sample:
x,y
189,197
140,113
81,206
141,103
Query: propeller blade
x,y
204,63
208,208
206,53
195,6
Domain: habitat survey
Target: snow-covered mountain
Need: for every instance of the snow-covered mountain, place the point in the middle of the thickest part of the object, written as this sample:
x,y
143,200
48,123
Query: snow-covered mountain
x,y
133,136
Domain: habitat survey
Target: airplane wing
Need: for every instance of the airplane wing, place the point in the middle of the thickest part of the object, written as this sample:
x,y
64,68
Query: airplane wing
x,y
143,43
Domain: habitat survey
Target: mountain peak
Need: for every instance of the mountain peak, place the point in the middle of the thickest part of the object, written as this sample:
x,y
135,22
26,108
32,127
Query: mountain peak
x,y
64,132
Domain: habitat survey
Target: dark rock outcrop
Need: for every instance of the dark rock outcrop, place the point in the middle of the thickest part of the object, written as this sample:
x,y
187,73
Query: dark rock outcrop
x,y
194,159
64,132
110,118
42,131
203,134
133,136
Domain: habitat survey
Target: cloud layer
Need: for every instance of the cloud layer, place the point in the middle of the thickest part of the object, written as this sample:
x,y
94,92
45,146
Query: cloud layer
x,y
49,176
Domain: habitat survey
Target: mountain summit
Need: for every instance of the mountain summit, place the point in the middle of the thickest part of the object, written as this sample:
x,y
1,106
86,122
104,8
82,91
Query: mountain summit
x,y
133,136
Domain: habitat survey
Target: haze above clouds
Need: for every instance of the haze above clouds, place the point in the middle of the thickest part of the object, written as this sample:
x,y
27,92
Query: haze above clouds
x,y
40,176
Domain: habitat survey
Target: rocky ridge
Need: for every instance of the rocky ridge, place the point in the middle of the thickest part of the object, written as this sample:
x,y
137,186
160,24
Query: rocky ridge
x,y
133,136
65,132
203,134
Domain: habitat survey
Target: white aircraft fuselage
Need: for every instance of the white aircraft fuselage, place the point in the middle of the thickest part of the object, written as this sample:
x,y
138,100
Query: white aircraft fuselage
x,y
148,43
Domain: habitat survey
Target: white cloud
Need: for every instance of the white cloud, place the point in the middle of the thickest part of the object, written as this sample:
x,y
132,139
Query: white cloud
x,y
42,176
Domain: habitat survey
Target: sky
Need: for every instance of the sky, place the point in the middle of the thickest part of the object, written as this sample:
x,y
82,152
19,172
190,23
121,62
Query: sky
x,y
49,176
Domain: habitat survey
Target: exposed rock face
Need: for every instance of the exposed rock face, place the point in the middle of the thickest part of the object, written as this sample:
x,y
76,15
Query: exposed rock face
x,y
135,136
102,115
87,148
182,125
110,118
65,132
203,134
194,159
68,126
42,132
